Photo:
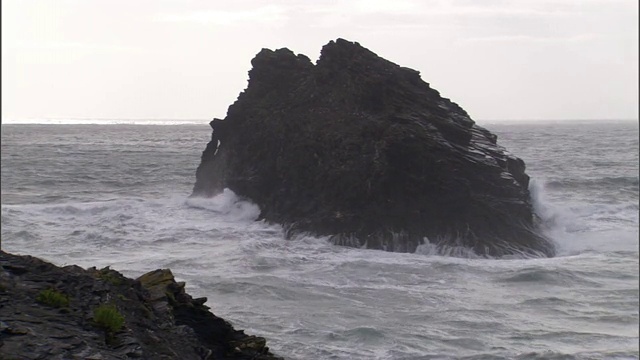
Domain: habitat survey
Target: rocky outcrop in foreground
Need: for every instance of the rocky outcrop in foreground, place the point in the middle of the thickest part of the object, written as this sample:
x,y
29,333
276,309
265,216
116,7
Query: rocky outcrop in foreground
x,y
50,312
361,149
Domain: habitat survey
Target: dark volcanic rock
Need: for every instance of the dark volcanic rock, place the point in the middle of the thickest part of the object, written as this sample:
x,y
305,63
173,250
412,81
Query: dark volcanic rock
x,y
362,149
161,321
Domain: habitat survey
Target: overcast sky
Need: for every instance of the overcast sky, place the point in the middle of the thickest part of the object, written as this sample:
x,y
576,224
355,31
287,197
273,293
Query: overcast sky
x,y
188,59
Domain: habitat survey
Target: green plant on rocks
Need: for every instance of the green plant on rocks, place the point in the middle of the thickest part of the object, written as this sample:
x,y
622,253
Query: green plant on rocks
x,y
110,276
52,298
108,317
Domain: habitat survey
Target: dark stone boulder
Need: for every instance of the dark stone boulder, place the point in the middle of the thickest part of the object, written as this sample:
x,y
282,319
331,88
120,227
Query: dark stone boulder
x,y
361,149
160,321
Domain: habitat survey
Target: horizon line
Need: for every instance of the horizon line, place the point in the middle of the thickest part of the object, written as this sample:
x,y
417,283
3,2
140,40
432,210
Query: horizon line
x,y
33,120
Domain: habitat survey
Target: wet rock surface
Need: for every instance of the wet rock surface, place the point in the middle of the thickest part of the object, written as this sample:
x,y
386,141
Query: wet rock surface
x,y
161,321
363,150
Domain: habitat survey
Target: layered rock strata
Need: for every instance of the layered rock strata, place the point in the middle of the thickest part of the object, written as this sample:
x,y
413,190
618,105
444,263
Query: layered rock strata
x,y
363,150
159,319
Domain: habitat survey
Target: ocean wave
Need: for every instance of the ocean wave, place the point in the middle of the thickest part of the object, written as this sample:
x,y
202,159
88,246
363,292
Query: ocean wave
x,y
548,276
604,183
226,203
569,217
22,234
554,355
178,219
360,334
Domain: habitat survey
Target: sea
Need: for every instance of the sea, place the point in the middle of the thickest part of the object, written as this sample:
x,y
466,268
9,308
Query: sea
x,y
116,193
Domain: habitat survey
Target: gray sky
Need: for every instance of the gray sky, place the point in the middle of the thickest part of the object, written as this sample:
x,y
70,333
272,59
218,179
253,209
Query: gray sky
x,y
188,59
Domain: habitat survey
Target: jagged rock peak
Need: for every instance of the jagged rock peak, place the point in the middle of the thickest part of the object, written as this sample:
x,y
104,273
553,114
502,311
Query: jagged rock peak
x,y
268,64
363,150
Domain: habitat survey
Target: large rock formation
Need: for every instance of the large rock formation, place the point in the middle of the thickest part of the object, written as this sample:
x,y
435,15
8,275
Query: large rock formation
x,y
362,149
49,312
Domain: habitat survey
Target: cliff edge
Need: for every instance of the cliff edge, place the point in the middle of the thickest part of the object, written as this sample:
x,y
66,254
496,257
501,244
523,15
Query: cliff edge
x,y
51,312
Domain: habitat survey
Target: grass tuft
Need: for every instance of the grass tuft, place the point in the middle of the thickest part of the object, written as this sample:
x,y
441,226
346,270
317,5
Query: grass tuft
x,y
108,318
52,298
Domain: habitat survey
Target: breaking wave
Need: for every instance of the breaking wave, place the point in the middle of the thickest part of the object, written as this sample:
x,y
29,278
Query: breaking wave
x,y
595,183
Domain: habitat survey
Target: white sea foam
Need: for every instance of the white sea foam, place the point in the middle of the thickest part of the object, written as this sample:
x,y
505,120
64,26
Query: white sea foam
x,y
227,203
430,249
585,227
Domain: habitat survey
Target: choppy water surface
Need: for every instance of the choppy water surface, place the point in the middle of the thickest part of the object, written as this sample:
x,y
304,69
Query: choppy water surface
x,y
98,195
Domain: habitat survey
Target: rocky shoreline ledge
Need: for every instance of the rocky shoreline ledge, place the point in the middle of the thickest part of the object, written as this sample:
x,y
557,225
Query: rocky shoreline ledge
x,y
51,312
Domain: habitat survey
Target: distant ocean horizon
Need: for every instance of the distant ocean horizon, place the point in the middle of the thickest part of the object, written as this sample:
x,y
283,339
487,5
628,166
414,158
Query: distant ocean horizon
x,y
196,121
112,193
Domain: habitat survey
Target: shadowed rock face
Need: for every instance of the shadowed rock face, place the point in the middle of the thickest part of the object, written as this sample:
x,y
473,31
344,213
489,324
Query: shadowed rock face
x,y
362,149
160,320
